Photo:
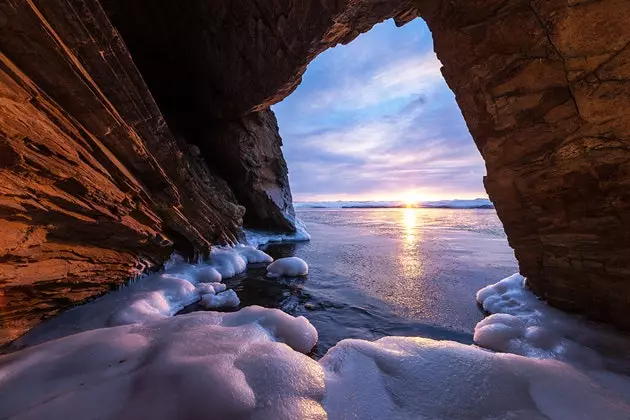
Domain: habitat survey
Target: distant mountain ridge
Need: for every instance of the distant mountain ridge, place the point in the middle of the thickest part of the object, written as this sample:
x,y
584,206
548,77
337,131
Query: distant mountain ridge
x,y
477,203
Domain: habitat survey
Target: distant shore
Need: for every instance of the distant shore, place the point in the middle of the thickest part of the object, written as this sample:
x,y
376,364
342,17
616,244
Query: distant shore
x,y
477,203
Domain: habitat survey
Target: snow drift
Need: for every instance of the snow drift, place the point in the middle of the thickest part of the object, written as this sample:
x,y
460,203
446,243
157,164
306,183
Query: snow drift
x,y
195,366
250,363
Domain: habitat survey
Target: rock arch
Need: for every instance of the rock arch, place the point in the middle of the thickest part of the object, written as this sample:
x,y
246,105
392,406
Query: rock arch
x,y
129,127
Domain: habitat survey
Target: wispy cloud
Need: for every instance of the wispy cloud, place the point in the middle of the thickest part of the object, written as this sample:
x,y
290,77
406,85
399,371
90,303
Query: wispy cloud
x,y
404,78
379,126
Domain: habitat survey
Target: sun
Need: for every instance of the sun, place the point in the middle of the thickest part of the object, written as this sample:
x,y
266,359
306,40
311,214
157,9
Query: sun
x,y
410,200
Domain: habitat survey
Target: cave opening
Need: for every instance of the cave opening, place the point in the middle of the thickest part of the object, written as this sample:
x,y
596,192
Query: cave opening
x,y
374,120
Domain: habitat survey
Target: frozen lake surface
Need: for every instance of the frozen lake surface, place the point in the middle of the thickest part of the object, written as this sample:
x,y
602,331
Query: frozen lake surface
x,y
380,272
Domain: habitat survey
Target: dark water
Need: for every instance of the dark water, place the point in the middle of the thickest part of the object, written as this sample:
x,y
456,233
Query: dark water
x,y
379,272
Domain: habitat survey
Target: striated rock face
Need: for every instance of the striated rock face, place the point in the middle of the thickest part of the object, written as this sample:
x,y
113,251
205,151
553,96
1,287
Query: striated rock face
x,y
544,86
94,185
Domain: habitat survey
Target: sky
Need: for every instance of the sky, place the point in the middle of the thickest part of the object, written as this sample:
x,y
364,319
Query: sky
x,y
375,120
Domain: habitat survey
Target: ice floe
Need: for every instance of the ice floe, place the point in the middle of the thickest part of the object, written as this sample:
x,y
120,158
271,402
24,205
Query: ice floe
x,y
290,266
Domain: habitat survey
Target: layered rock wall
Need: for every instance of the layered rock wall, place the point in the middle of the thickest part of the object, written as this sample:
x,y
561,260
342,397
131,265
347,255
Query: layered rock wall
x,y
544,87
93,186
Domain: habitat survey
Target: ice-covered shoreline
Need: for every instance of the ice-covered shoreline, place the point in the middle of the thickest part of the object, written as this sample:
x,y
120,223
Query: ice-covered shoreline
x,y
122,356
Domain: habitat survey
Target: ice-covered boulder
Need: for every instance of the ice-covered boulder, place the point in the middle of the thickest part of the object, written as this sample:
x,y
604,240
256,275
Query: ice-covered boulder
x,y
291,267
227,299
208,274
210,288
227,261
523,324
253,255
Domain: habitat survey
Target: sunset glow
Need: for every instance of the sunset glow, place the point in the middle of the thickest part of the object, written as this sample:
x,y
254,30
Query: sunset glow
x,y
374,120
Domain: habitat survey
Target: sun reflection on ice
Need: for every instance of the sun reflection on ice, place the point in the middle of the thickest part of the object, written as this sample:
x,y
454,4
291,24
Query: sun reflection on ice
x,y
409,222
410,259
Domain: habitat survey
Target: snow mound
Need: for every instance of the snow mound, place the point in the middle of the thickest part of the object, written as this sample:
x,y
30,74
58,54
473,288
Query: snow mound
x,y
526,325
249,364
227,261
412,378
259,238
208,274
211,288
195,366
252,254
290,266
227,299
296,332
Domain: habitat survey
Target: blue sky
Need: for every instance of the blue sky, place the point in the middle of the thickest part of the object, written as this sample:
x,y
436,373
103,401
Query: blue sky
x,y
375,120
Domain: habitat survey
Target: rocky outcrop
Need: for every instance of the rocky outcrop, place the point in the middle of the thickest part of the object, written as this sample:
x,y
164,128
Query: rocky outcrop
x,y
94,185
247,152
543,86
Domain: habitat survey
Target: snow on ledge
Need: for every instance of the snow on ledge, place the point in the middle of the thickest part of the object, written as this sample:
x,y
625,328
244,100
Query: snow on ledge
x,y
154,297
523,324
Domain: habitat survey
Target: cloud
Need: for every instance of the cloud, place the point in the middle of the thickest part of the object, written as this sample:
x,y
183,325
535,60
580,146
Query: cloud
x,y
403,78
409,151
375,120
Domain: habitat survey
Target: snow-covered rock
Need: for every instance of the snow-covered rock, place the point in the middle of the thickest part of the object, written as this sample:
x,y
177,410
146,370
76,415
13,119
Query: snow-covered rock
x,y
523,324
218,365
249,364
208,274
227,299
252,254
290,266
227,261
211,288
